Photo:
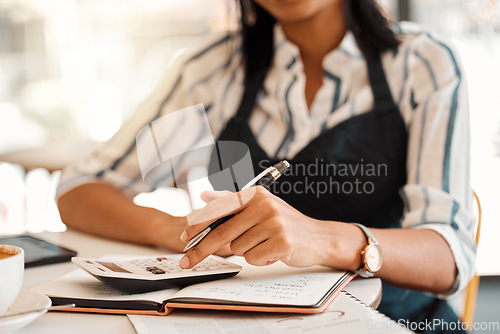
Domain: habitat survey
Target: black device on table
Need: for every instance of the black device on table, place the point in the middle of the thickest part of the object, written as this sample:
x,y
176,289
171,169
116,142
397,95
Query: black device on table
x,y
38,252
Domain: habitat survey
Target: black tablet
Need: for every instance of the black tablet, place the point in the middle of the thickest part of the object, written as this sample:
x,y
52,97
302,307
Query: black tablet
x,y
38,252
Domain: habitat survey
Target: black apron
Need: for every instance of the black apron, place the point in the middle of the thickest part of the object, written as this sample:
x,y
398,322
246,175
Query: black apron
x,y
350,173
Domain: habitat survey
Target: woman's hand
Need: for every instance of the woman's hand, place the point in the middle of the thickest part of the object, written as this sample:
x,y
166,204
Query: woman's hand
x,y
165,231
265,230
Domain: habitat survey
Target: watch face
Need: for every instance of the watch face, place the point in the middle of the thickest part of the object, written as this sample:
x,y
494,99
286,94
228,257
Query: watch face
x,y
373,257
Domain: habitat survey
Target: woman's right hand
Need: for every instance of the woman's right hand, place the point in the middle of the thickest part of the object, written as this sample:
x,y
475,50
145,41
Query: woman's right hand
x,y
165,231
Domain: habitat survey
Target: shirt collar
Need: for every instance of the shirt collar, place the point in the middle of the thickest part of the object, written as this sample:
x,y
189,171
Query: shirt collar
x,y
287,54
347,50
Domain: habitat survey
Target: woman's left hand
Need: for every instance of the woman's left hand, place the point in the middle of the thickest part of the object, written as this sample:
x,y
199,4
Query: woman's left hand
x,y
264,230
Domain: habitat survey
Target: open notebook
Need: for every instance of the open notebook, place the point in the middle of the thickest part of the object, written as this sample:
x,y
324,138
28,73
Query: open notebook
x,y
346,314
274,288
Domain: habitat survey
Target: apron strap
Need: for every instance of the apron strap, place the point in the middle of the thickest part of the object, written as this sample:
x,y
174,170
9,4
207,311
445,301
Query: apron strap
x,y
378,82
251,88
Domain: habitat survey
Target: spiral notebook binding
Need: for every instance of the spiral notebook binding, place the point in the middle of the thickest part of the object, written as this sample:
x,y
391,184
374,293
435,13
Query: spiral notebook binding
x,y
371,308
357,299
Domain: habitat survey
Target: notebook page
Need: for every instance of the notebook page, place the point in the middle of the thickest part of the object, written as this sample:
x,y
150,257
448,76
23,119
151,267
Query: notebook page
x,y
274,284
344,315
81,285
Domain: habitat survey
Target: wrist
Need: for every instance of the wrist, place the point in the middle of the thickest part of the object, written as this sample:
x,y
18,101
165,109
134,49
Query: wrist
x,y
344,245
164,230
371,255
154,223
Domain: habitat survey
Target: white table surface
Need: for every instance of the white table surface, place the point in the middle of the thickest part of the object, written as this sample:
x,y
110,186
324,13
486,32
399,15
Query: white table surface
x,y
367,290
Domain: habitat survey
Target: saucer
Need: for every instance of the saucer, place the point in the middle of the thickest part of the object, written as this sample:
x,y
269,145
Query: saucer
x,y
26,301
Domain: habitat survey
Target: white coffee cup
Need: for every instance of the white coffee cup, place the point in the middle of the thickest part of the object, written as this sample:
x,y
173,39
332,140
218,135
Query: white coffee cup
x,y
11,274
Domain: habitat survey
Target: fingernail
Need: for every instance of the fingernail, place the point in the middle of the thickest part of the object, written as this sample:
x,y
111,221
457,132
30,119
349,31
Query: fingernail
x,y
184,236
184,262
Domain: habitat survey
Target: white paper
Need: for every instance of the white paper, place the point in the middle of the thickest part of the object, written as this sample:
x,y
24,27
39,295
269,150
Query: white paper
x,y
344,315
274,284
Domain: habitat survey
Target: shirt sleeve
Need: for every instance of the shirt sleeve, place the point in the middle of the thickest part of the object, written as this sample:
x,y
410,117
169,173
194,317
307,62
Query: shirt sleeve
x,y
438,194
189,82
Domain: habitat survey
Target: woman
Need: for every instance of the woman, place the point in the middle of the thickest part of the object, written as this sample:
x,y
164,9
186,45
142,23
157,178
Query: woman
x,y
324,83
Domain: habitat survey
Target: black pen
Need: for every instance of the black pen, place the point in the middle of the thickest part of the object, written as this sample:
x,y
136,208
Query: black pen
x,y
264,179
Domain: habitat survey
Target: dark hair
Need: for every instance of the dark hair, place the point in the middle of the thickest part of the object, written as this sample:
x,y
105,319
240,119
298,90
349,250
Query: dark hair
x,y
364,18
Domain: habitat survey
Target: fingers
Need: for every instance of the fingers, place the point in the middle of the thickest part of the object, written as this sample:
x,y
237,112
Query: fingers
x,y
221,235
226,203
232,229
225,251
265,253
247,241
208,196
232,203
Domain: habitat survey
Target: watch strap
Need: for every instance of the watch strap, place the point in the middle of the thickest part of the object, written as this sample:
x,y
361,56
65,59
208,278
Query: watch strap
x,y
369,235
363,271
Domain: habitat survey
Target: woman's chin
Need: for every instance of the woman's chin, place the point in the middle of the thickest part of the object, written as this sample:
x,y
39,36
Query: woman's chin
x,y
292,11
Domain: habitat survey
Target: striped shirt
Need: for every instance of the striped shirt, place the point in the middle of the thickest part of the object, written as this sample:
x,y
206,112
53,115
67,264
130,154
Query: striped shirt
x,y
425,77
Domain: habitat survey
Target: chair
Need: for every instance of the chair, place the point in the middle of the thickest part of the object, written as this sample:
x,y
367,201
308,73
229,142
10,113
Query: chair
x,y
472,287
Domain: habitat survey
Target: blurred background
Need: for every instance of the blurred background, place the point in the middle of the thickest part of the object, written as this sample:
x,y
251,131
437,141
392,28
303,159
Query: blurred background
x,y
71,71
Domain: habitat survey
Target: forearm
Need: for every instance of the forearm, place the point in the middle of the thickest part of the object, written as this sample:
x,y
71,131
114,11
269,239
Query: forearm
x,y
418,259
103,210
266,229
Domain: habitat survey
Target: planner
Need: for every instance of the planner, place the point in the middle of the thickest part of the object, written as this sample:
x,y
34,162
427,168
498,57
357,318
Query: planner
x,y
346,314
274,288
